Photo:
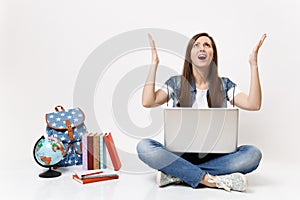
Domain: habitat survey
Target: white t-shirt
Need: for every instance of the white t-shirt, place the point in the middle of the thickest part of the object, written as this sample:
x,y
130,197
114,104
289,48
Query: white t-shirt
x,y
201,99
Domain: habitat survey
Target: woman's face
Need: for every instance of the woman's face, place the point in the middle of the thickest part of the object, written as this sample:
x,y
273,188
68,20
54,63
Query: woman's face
x,y
202,52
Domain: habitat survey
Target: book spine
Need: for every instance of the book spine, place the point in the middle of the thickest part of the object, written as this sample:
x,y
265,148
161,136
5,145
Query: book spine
x,y
109,142
101,176
90,152
84,152
102,166
76,178
96,151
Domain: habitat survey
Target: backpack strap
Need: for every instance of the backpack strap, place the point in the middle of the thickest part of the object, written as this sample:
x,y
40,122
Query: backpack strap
x,y
66,151
76,150
70,130
71,136
57,108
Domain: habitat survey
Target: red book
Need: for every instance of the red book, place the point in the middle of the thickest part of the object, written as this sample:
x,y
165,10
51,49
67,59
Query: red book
x,y
92,180
90,153
111,148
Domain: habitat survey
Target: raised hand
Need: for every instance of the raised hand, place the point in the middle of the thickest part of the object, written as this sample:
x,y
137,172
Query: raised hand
x,y
253,55
155,59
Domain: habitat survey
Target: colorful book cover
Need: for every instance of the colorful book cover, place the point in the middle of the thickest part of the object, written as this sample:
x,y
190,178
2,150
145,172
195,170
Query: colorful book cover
x,y
102,166
96,151
93,180
90,151
84,151
110,145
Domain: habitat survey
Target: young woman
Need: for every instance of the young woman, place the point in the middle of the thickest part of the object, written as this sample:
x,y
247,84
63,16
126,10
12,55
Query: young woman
x,y
200,86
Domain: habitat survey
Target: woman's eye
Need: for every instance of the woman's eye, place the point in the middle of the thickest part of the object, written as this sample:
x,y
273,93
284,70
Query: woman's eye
x,y
196,45
207,45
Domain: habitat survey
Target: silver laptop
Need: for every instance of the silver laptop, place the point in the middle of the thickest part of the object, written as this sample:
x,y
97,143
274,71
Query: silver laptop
x,y
211,130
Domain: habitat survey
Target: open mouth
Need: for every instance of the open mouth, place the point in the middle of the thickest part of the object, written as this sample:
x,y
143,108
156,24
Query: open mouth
x,y
202,57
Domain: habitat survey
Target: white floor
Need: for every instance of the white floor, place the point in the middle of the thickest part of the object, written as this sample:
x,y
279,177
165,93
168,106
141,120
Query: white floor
x,y
270,181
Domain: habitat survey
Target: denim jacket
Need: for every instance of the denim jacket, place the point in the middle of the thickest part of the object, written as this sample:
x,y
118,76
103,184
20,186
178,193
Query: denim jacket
x,y
174,83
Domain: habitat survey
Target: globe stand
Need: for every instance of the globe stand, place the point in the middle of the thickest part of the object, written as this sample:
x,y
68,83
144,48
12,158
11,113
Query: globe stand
x,y
50,173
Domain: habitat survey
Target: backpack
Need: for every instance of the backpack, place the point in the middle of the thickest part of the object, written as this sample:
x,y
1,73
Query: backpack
x,y
68,127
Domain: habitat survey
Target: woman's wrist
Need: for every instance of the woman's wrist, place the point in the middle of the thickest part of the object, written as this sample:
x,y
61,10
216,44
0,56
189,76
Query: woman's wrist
x,y
153,64
254,66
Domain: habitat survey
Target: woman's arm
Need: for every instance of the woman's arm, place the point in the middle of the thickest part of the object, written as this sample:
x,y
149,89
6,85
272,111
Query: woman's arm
x,y
150,98
252,101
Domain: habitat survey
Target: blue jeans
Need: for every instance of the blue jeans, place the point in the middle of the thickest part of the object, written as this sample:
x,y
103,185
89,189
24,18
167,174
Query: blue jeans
x,y
244,160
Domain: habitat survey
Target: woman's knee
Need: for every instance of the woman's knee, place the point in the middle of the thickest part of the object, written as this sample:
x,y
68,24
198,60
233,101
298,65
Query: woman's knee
x,y
252,157
253,152
149,151
146,146
142,145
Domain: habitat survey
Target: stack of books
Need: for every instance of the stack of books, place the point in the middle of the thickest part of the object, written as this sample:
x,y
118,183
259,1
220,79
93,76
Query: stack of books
x,y
94,151
92,176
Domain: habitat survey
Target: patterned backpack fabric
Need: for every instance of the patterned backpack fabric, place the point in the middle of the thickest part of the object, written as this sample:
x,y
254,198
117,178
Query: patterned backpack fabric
x,y
67,126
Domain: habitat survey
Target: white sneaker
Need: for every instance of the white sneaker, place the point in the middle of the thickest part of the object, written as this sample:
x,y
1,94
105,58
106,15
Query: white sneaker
x,y
163,179
235,181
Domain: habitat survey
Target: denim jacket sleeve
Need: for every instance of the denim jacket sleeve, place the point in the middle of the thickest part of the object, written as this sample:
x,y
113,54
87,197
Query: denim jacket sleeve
x,y
174,83
227,85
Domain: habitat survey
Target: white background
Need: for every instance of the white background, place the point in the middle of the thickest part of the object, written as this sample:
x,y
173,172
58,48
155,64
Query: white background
x,y
43,45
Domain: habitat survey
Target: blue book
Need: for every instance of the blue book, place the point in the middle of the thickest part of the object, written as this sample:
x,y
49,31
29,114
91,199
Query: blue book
x,y
102,165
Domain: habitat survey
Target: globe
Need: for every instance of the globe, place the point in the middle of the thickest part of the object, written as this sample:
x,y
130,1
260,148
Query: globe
x,y
47,153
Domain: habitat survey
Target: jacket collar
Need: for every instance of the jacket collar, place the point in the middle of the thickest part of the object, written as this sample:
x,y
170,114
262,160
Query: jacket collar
x,y
193,86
